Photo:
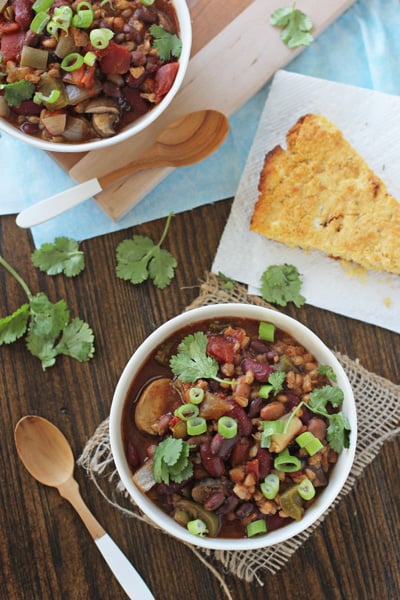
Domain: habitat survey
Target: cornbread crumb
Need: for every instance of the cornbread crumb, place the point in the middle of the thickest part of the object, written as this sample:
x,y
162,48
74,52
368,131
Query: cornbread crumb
x,y
320,194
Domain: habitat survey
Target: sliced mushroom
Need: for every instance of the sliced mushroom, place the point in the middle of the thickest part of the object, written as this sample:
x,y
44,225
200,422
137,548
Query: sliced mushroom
x,y
102,104
77,129
158,398
104,124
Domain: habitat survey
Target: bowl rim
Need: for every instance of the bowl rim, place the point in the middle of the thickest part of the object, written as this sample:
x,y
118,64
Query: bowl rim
x,y
314,344
139,124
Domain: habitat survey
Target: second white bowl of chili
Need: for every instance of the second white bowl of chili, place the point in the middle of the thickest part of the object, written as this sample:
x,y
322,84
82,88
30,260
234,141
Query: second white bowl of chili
x,y
85,76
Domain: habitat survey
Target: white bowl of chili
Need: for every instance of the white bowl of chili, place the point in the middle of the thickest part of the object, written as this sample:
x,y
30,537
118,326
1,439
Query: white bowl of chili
x,y
84,78
245,463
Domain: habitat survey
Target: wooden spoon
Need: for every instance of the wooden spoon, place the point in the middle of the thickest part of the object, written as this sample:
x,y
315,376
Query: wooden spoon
x,y
185,141
48,457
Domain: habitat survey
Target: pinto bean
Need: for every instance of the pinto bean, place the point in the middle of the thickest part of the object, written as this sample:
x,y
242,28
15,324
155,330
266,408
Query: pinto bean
x,y
317,427
272,411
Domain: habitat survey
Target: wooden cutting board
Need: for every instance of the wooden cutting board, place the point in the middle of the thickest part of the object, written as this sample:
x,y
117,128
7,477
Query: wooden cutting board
x,y
234,53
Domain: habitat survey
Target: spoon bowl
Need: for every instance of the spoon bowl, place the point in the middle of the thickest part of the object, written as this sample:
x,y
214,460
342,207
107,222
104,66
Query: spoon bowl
x,y
47,456
183,142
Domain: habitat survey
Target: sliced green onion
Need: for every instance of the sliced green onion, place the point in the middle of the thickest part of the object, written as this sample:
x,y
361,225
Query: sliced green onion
x,y
40,98
270,428
147,2
52,28
266,331
62,15
39,22
84,15
72,61
89,58
196,395
186,411
100,38
287,463
196,425
227,427
197,527
42,5
270,486
306,489
310,442
265,391
256,527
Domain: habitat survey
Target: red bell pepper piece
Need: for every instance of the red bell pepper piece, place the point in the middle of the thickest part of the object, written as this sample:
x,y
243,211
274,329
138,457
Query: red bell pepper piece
x,y
11,45
114,59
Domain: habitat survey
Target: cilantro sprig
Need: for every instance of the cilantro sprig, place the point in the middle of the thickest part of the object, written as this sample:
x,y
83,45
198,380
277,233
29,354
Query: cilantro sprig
x,y
171,461
167,44
192,361
49,331
281,284
17,92
338,431
139,258
295,25
61,256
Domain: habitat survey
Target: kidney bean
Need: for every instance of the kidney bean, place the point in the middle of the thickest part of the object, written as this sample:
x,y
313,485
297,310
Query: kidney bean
x,y
132,456
264,463
275,521
317,427
214,465
255,407
240,452
259,346
30,128
245,426
221,446
292,400
272,411
245,509
261,370
229,505
214,501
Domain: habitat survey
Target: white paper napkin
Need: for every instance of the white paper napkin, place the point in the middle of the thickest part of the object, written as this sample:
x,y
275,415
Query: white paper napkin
x,y
370,121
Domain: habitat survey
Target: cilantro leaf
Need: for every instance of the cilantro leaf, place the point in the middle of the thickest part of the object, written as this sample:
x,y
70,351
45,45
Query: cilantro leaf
x,y
14,326
228,284
338,432
15,93
47,319
328,394
171,461
161,268
295,25
47,327
191,362
327,371
139,258
281,284
61,256
167,44
77,341
276,379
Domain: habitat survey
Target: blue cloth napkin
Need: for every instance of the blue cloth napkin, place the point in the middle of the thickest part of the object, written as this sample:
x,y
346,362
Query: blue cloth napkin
x,y
361,48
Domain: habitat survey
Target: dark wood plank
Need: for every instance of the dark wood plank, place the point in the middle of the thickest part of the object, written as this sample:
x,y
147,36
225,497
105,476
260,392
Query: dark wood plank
x,y
45,552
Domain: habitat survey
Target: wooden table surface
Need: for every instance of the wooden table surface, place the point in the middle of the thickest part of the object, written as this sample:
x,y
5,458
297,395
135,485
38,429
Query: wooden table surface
x,y
45,551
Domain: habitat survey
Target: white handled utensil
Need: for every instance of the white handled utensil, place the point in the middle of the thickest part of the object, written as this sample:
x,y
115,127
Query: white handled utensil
x,y
185,141
48,457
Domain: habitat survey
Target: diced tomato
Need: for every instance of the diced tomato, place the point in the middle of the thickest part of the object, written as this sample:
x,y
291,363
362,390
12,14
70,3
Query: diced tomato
x,y
115,59
220,348
82,77
253,467
11,45
164,79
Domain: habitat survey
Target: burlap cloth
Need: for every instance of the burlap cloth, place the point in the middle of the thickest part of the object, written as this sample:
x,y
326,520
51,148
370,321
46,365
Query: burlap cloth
x,y
378,411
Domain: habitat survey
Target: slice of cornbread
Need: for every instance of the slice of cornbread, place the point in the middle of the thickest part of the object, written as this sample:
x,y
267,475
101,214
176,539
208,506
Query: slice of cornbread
x,y
320,194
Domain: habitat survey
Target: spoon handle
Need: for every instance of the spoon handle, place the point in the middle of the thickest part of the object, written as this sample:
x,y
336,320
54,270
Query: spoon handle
x,y
55,205
129,579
